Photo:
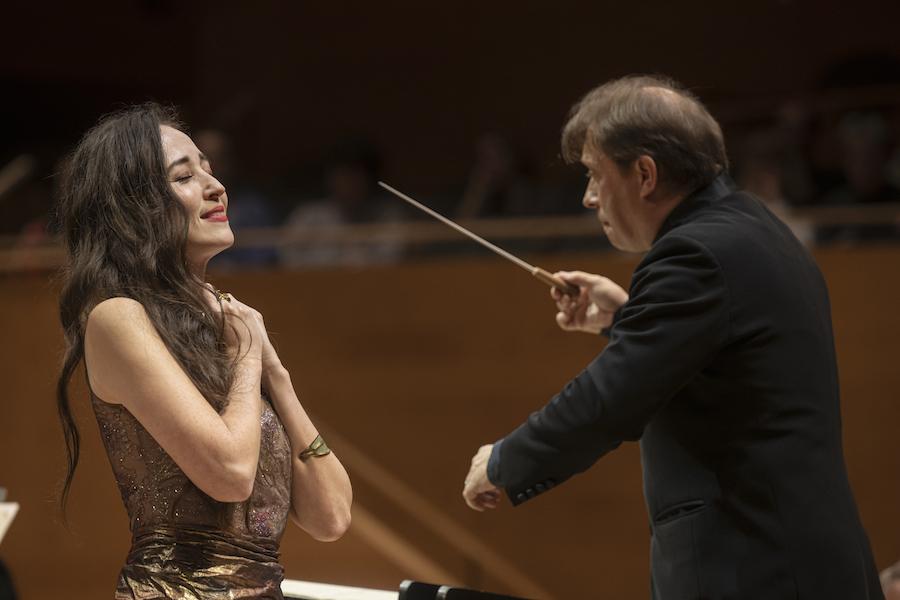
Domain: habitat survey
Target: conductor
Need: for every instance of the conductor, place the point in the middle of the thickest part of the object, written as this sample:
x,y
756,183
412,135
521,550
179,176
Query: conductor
x,y
720,360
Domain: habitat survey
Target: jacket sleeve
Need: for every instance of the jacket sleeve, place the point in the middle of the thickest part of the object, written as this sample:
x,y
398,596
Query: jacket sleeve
x,y
674,322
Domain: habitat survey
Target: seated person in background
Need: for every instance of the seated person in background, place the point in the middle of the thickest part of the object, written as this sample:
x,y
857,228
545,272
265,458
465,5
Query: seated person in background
x,y
498,184
865,148
248,206
353,198
763,172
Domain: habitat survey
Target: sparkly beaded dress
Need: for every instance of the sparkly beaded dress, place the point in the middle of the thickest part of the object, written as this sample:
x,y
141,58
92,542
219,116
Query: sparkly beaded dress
x,y
186,545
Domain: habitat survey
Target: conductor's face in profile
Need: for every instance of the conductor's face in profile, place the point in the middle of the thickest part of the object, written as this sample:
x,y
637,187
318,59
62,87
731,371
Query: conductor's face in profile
x,y
622,199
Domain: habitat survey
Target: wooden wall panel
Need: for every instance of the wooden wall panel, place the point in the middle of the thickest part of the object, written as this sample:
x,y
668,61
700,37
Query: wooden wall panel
x,y
417,365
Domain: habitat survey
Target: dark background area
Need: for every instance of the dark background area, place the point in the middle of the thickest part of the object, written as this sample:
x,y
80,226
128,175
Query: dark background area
x,y
422,80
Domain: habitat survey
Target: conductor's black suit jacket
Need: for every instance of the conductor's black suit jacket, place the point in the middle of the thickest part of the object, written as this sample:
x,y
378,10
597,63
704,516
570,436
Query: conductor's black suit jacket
x,y
722,364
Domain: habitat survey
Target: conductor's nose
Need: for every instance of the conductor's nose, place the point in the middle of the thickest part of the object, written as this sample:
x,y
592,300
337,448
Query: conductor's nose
x,y
590,197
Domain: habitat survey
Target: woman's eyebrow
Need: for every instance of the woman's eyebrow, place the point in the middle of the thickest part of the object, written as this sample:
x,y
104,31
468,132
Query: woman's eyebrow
x,y
185,159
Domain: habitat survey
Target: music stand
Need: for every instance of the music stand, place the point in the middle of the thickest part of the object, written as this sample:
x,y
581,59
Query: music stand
x,y
416,590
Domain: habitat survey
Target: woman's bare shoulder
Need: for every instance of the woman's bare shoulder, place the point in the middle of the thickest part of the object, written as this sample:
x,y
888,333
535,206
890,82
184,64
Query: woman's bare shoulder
x,y
118,316
119,331
115,308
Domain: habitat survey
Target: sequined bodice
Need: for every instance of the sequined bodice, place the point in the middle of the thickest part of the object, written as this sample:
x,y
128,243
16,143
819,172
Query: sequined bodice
x,y
174,525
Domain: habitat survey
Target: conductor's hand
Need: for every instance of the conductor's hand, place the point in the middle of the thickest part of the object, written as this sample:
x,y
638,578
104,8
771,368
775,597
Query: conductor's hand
x,y
594,308
479,492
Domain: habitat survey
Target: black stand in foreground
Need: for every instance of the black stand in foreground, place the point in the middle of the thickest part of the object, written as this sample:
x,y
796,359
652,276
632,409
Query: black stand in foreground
x,y
416,590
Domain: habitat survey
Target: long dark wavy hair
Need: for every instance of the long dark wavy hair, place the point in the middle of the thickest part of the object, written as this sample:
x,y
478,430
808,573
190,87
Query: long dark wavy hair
x,y
125,232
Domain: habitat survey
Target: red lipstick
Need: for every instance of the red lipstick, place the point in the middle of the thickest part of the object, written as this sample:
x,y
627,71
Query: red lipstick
x,y
216,215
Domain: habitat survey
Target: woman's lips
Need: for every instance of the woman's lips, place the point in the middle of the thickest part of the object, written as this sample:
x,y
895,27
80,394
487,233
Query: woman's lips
x,y
217,215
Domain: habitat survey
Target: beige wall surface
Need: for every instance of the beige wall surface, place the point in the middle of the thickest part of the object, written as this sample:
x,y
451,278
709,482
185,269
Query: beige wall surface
x,y
416,366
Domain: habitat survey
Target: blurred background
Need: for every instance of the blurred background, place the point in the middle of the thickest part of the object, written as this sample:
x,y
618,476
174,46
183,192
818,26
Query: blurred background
x,y
413,345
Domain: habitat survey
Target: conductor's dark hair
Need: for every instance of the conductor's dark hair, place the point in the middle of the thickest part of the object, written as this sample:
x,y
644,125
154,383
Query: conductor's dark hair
x,y
643,115
125,234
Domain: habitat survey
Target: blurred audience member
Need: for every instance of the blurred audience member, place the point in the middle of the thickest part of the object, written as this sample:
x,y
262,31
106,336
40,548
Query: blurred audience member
x,y
865,147
764,172
353,198
793,148
248,208
498,184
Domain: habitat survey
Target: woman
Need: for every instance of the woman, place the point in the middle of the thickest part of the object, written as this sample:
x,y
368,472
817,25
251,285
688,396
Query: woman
x,y
209,444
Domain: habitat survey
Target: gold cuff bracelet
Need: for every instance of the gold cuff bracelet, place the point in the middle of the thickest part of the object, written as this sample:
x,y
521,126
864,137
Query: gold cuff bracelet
x,y
316,449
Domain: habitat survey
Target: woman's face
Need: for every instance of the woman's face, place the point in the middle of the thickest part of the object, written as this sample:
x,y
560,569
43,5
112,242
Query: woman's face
x,y
190,176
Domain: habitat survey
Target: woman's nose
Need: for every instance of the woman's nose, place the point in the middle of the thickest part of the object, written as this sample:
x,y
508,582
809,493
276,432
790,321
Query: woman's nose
x,y
214,188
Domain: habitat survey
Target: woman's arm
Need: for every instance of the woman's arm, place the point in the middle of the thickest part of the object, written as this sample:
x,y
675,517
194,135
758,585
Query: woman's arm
x,y
130,365
321,494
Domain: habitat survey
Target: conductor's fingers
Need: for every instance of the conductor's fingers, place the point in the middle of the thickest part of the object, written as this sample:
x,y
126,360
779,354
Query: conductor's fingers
x,y
490,499
564,320
567,304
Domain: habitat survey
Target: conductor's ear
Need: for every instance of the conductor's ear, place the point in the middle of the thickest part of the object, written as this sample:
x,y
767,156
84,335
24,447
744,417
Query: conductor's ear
x,y
648,176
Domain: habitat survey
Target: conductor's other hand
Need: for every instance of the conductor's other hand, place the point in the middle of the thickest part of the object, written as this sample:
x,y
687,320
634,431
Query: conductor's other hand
x,y
594,308
478,491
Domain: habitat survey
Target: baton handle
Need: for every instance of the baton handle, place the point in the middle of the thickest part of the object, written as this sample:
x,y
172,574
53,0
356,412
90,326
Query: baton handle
x,y
565,287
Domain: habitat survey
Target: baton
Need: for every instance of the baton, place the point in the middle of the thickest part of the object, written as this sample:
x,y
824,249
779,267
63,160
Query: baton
x,y
563,286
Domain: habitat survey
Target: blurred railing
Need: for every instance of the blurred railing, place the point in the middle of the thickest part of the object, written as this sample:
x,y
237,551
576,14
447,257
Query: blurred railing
x,y
886,213
424,239
21,254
